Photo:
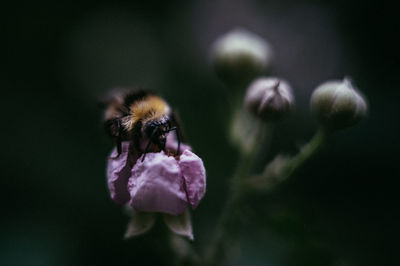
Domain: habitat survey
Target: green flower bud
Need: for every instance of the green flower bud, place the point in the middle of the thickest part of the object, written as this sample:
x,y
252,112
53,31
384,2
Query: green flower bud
x,y
269,98
337,104
240,56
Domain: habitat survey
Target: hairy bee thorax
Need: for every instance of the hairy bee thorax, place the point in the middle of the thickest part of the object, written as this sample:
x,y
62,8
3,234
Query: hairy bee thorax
x,y
148,109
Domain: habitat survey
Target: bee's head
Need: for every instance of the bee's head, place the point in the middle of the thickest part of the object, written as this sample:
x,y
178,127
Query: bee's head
x,y
156,131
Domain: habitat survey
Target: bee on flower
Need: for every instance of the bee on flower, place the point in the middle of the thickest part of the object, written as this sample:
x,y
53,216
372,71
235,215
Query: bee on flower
x,y
150,171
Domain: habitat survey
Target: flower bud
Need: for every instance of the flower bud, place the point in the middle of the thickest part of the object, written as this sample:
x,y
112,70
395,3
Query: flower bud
x,y
269,98
337,104
240,55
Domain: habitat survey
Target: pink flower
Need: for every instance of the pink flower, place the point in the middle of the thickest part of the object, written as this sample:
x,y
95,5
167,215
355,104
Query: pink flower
x,y
119,171
163,184
159,183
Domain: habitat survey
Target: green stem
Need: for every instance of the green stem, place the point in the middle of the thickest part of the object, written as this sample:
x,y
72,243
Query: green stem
x,y
282,167
307,151
218,248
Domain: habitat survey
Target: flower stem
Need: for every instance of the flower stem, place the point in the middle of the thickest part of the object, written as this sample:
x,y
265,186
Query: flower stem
x,y
224,230
281,167
307,151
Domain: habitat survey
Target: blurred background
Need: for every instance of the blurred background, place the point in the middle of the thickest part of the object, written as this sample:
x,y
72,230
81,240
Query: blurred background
x,y
60,57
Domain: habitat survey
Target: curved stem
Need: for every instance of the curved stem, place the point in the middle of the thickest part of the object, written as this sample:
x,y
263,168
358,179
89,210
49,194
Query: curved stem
x,y
281,167
218,248
306,152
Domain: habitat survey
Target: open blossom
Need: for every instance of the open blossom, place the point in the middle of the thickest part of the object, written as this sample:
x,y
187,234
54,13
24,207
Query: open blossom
x,y
158,183
163,184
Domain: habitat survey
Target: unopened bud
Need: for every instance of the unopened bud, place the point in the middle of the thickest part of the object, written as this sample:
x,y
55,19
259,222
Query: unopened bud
x,y
269,98
240,55
337,104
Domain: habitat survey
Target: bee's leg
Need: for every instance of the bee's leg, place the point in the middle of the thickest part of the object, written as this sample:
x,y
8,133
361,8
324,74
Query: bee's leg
x,y
149,143
136,136
178,138
119,146
177,123
178,130
145,151
118,138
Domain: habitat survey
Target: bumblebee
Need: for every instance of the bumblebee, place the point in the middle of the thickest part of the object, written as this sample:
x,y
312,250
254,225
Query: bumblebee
x,y
142,117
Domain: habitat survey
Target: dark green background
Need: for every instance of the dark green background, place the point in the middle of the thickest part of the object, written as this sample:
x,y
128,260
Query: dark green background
x,y
61,57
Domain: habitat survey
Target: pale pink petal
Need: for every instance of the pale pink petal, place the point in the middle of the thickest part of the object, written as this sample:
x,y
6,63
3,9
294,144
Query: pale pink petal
x,y
118,173
156,185
194,174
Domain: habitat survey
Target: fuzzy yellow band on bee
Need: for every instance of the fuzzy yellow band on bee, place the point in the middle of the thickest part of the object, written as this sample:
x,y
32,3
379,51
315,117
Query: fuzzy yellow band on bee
x,y
151,107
